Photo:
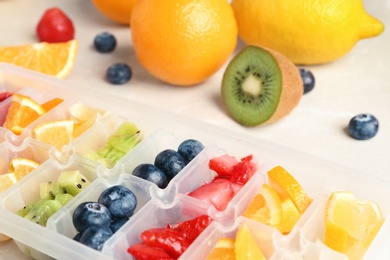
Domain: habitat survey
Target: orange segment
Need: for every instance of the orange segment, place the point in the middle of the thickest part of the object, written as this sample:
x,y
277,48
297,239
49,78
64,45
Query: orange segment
x,y
6,181
288,187
84,126
49,105
350,224
55,59
21,167
290,216
56,133
223,250
22,111
246,247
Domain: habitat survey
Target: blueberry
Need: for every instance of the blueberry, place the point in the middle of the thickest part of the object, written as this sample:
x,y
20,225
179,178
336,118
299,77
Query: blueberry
x,y
120,201
117,224
95,237
151,173
170,162
189,149
119,73
77,237
308,80
104,42
363,126
91,214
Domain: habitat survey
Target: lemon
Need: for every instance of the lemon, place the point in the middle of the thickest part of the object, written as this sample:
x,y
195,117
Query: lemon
x,y
306,31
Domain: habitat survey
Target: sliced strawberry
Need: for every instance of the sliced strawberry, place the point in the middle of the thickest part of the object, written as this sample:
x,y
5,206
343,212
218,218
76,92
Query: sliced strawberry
x,y
5,95
244,170
172,241
223,165
55,26
142,251
193,227
218,192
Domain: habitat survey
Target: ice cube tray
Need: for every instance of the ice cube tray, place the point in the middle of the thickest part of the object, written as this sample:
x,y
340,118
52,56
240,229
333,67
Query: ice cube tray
x,y
159,207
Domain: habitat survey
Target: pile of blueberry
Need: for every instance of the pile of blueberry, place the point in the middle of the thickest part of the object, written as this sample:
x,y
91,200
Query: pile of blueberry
x,y
168,163
98,221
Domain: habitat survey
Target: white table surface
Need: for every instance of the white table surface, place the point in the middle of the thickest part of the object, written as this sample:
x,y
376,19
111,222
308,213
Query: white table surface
x,y
359,82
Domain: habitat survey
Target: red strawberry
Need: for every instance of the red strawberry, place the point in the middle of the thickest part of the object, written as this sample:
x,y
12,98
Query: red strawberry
x,y
172,241
223,165
55,26
142,251
193,227
218,192
5,95
244,170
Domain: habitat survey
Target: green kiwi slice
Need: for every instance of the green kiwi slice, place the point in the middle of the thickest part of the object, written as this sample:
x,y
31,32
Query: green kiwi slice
x,y
252,85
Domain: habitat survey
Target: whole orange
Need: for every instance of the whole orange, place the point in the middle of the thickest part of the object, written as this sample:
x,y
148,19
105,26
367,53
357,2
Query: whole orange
x,y
183,42
116,10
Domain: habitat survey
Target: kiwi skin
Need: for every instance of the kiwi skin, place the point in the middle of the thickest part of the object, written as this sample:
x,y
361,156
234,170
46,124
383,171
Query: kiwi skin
x,y
287,96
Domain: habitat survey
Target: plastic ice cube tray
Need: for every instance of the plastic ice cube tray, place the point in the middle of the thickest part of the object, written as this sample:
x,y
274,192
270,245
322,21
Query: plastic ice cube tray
x,y
159,207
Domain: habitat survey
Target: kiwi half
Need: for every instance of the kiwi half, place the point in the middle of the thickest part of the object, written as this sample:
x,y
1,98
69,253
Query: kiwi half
x,y
260,86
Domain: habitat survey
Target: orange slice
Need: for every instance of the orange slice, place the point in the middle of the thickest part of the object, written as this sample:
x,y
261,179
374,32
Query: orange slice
x,y
291,215
22,112
55,59
223,250
56,133
21,167
350,224
265,207
6,181
246,247
288,187
49,105
81,112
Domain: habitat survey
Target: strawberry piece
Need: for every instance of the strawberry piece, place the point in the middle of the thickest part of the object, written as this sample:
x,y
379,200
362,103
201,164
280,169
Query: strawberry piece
x,y
223,165
142,251
218,192
244,170
193,227
172,241
5,95
55,26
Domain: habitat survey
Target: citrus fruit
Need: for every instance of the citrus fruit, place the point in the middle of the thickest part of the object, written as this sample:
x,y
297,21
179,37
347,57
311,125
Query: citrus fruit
x,y
49,105
246,247
186,41
118,10
223,250
81,112
22,112
290,216
288,187
6,181
54,59
56,133
350,224
306,31
266,207
21,167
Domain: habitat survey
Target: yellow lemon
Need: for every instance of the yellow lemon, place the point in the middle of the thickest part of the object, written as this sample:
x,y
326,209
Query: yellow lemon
x,y
306,31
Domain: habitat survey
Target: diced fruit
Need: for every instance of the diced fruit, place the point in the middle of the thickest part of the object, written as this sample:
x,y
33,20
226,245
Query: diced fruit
x,y
42,210
224,249
63,198
5,95
142,251
91,214
218,193
54,59
246,247
350,224
291,215
170,162
104,42
82,112
223,165
73,182
243,170
50,190
189,149
55,26
6,181
119,73
56,133
363,126
120,201
288,187
193,227
95,236
307,79
21,167
52,103
151,173
22,112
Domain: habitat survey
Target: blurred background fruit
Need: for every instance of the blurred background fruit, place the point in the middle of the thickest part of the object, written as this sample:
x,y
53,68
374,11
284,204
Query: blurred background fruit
x,y
183,42
306,31
116,10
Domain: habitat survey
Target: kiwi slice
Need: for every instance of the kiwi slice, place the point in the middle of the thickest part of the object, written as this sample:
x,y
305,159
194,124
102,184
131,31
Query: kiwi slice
x,y
260,86
42,210
73,182
49,189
